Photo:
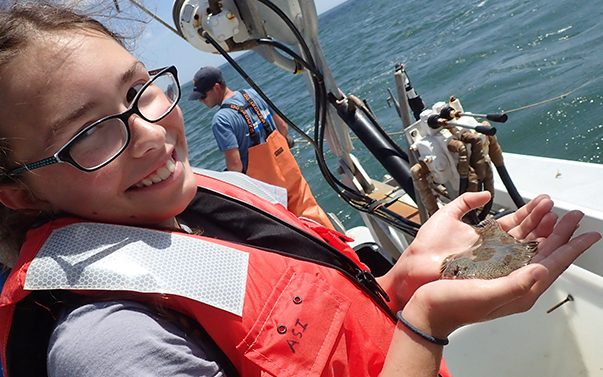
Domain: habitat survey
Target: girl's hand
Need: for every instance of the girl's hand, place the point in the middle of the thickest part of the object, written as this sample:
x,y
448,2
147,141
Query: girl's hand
x,y
442,306
445,234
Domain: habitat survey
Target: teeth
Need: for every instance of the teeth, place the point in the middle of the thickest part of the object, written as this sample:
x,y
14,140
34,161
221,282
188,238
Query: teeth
x,y
160,174
163,173
171,166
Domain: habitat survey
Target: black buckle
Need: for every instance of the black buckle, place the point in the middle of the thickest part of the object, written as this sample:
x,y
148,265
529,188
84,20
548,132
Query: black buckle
x,y
367,279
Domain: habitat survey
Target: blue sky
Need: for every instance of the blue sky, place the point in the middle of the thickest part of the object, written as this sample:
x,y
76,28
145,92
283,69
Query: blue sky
x,y
159,47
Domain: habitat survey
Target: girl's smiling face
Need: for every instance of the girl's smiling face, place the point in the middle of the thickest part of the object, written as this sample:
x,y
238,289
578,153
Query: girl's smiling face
x,y
65,81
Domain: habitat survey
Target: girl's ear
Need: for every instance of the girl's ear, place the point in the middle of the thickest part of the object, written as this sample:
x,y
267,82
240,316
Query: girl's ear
x,y
17,196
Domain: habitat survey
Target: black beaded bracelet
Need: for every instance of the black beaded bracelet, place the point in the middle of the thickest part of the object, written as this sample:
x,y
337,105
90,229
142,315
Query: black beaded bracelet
x,y
427,337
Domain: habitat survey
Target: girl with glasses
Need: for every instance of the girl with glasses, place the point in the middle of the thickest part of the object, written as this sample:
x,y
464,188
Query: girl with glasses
x,y
125,262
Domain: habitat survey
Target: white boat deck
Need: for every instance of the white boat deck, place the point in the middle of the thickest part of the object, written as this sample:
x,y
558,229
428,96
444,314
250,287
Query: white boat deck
x,y
578,183
564,343
572,185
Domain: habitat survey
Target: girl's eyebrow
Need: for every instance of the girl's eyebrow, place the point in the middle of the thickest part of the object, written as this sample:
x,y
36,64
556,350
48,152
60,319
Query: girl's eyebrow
x,y
137,67
125,78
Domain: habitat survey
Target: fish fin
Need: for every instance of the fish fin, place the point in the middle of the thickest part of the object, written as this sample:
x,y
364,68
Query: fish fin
x,y
533,245
487,222
445,263
488,227
532,248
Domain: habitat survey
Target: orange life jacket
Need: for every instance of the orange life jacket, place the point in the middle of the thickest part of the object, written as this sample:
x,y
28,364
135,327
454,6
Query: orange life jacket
x,y
297,317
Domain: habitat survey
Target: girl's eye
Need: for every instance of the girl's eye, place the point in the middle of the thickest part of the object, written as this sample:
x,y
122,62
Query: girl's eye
x,y
132,92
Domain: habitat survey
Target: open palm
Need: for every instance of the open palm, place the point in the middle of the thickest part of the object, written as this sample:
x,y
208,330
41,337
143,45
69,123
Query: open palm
x,y
445,234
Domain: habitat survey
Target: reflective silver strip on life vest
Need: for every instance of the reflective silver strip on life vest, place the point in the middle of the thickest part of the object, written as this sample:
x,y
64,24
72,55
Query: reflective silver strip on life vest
x,y
266,191
91,256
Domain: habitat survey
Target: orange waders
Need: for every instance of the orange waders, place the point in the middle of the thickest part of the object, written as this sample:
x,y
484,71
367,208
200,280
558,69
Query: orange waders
x,y
273,163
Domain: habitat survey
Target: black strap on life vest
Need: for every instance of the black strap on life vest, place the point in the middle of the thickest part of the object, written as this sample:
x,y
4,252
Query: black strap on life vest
x,y
255,137
223,217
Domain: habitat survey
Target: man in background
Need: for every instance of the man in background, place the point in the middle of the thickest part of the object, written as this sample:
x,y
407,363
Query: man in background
x,y
254,140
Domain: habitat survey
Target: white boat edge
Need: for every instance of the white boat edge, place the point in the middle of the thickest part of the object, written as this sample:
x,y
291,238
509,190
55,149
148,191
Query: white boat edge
x,y
564,343
572,185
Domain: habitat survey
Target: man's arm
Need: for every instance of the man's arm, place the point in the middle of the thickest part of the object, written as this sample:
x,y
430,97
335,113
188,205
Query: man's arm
x,y
233,160
281,125
283,129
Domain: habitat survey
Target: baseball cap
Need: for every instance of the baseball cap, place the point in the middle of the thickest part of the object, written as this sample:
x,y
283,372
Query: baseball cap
x,y
204,80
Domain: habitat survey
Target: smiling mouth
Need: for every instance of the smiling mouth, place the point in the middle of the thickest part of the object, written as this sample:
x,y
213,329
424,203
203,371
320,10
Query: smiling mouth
x,y
159,175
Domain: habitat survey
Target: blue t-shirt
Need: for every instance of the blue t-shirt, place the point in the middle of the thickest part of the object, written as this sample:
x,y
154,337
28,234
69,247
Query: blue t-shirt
x,y
230,129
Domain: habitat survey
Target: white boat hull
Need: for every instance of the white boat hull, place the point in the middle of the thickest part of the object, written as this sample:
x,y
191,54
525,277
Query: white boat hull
x,y
564,343
572,185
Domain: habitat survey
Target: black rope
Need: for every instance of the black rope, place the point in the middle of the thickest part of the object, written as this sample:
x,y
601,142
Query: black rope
x,y
357,200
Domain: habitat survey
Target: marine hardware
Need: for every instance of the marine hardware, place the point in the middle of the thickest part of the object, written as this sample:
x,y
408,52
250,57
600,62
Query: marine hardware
x,y
567,299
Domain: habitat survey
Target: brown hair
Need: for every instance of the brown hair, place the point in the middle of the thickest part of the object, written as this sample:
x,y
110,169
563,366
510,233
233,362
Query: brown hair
x,y
19,26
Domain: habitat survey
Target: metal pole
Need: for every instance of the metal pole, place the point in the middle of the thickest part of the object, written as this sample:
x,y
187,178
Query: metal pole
x,y
400,77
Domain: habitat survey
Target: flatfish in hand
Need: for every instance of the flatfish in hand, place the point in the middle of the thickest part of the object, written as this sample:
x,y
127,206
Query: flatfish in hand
x,y
495,254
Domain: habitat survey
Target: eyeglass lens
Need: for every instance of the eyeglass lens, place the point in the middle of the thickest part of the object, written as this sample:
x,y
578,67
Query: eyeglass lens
x,y
108,138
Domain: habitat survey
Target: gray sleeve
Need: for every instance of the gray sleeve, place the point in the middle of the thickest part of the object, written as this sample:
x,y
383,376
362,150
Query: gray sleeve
x,y
123,338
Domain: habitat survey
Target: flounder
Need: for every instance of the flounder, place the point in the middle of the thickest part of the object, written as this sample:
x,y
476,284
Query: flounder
x,y
495,254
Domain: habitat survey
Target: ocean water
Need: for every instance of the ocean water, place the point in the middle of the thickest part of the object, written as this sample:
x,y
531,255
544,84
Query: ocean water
x,y
539,60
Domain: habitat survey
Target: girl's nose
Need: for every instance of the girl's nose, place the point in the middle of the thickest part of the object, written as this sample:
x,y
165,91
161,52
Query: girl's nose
x,y
146,136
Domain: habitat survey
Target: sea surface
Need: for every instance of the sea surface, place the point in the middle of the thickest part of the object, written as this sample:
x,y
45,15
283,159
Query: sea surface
x,y
539,60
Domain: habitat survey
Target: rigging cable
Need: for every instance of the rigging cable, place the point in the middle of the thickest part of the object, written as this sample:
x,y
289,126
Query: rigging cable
x,y
556,98
157,18
357,200
321,103
321,100
521,108
205,35
319,138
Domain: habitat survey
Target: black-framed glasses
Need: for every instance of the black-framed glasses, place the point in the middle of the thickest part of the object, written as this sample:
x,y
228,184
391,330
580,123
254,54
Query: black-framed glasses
x,y
105,139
